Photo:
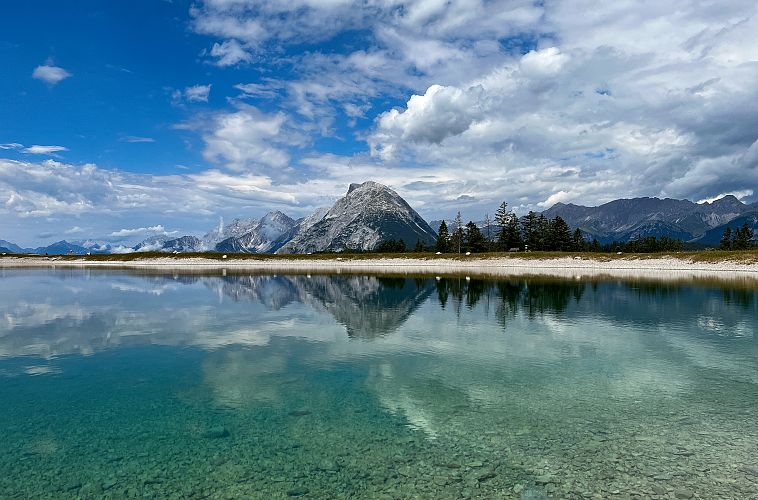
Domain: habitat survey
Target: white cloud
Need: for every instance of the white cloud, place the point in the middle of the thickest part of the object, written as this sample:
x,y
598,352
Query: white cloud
x,y
137,139
246,139
737,194
11,145
595,101
541,63
256,90
531,102
50,74
140,230
230,53
44,150
50,191
74,230
197,93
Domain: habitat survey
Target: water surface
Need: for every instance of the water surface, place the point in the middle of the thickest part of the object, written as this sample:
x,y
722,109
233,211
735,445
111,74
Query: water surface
x,y
122,385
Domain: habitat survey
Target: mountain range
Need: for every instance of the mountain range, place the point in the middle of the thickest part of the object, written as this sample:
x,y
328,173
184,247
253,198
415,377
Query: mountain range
x,y
626,219
371,213
58,248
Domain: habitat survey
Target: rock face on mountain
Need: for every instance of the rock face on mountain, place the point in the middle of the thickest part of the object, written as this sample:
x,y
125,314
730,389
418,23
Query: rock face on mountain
x,y
151,244
368,214
713,236
184,244
622,220
258,236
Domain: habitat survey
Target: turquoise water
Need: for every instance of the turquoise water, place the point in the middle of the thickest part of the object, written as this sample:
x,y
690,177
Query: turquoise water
x,y
117,385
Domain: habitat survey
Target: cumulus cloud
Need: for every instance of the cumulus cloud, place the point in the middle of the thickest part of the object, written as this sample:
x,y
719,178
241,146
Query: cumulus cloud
x,y
50,73
472,102
529,101
247,139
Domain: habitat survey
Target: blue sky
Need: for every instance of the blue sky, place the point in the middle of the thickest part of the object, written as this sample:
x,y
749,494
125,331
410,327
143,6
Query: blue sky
x,y
122,120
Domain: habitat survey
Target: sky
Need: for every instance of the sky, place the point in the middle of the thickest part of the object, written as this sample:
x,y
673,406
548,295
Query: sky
x,y
123,120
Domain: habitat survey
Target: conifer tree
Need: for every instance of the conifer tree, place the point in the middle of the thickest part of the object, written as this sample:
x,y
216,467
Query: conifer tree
x,y
488,228
742,237
726,239
559,235
501,219
419,247
456,238
474,239
530,230
543,233
577,241
510,236
443,238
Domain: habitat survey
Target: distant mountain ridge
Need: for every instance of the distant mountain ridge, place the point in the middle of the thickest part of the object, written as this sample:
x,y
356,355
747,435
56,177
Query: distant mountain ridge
x,y
626,219
62,247
367,215
370,213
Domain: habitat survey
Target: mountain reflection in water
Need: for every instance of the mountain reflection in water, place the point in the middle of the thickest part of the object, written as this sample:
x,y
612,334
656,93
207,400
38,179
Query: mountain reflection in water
x,y
271,386
55,314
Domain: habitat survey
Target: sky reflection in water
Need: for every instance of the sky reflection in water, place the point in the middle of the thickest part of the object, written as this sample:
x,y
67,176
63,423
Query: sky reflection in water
x,y
121,384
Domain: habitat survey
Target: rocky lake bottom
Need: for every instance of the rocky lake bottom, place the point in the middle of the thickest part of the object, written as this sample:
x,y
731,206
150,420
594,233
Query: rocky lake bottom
x,y
120,385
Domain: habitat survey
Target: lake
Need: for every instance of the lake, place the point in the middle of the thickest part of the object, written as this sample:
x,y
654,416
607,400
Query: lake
x,y
124,385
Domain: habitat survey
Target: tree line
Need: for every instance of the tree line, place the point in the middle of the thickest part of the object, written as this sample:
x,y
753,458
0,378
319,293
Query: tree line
x,y
535,232
739,239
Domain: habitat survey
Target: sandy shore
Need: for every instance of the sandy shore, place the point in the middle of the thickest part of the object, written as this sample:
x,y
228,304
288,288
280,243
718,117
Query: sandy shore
x,y
655,267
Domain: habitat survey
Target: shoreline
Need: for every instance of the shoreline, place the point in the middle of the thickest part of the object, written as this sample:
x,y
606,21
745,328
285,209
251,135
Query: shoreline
x,y
663,267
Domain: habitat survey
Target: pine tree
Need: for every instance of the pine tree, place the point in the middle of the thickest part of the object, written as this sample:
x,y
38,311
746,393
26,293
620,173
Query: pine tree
x,y
474,239
578,242
543,234
488,228
419,247
726,239
443,238
510,236
501,219
530,230
559,235
742,238
749,235
456,239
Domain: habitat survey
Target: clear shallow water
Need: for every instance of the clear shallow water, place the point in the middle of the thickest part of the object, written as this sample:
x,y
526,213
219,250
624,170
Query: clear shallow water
x,y
119,385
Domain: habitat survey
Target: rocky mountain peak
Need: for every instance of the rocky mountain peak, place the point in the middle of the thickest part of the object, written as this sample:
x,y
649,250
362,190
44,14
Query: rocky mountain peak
x,y
368,214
